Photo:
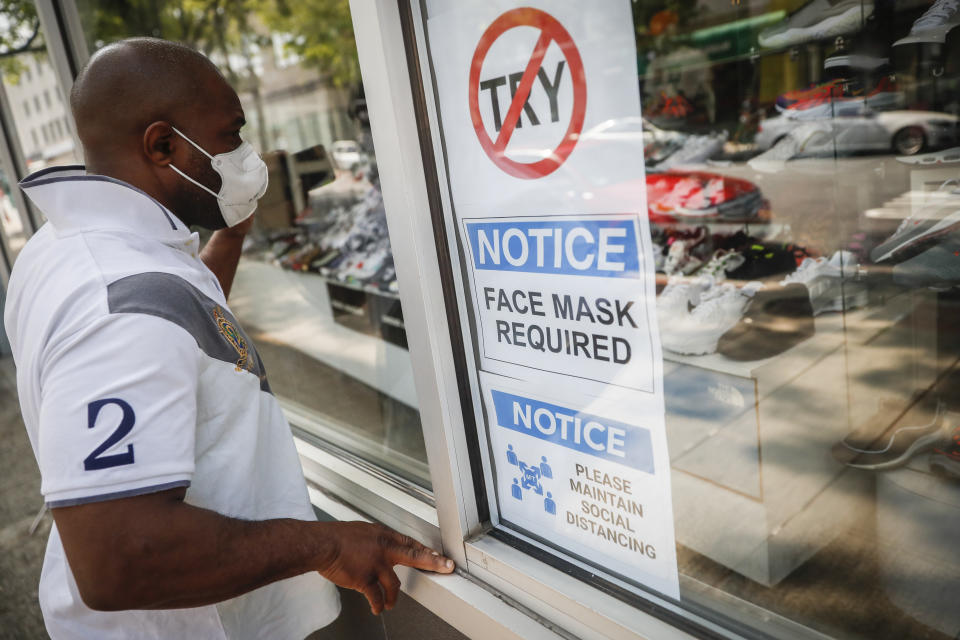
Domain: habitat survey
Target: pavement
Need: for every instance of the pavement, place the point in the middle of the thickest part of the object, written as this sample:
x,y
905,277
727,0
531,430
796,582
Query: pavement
x,y
21,553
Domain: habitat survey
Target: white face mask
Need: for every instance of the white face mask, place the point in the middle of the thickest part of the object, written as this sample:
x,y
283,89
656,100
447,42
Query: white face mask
x,y
243,180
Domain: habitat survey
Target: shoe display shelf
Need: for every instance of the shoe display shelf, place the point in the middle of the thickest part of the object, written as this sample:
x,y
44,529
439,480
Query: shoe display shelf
x,y
351,329
754,485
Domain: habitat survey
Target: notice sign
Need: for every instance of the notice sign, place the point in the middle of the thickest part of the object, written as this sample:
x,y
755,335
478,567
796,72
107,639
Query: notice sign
x,y
564,295
539,108
593,478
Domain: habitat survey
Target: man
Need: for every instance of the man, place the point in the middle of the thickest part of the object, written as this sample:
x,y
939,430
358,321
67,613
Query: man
x,y
179,505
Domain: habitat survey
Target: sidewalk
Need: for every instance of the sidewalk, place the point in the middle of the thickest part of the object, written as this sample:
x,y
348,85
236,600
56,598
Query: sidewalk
x,y
21,554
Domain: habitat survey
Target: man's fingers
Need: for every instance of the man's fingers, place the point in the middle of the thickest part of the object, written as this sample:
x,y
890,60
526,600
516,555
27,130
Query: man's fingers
x,y
391,587
374,596
420,557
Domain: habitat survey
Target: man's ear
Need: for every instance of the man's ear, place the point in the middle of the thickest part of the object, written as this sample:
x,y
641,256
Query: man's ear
x,y
158,143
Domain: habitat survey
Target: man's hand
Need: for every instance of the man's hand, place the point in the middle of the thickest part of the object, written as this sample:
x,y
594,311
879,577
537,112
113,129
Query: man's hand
x,y
157,552
362,557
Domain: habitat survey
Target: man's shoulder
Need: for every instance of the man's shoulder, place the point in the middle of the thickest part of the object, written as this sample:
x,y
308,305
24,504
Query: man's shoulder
x,y
63,284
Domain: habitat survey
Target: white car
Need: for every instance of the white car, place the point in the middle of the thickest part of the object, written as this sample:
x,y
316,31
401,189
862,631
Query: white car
x,y
346,154
849,126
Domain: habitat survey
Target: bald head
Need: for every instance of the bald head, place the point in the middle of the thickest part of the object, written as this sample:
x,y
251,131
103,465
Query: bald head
x,y
126,103
132,83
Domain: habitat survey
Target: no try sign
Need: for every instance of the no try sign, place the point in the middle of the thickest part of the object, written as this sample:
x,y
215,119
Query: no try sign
x,y
521,83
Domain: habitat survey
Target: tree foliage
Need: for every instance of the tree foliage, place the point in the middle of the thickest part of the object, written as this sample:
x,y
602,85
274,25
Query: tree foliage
x,y
19,34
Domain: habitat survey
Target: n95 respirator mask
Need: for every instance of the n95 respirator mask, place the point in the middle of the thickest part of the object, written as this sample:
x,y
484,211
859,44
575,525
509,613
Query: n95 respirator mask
x,y
243,180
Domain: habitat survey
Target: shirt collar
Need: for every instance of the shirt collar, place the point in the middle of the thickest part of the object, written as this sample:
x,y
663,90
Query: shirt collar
x,y
73,201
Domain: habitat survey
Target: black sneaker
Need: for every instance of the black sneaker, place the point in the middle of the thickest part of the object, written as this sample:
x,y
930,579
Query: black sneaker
x,y
945,458
876,448
763,260
778,318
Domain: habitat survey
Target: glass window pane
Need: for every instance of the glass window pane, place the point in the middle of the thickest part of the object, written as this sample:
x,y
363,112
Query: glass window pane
x,y
802,189
316,287
27,76
13,227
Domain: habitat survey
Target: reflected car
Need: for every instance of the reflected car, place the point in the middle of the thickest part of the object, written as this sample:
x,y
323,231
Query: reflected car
x,y
853,126
658,144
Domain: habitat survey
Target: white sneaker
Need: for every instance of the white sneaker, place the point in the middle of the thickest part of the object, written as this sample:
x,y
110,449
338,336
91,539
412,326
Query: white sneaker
x,y
680,260
678,296
947,156
817,20
933,26
722,262
720,309
833,284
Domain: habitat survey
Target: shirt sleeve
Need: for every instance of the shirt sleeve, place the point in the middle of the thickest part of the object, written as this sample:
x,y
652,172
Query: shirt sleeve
x,y
118,411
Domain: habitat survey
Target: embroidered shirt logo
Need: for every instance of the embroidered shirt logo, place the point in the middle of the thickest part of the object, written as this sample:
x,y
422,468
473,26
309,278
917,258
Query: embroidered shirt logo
x,y
228,331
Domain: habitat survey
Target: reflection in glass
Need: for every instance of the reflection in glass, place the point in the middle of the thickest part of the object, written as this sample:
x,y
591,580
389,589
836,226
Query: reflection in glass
x,y
803,187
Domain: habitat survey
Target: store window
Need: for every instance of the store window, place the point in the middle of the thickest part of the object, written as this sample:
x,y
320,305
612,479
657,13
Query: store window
x,y
23,66
793,168
316,287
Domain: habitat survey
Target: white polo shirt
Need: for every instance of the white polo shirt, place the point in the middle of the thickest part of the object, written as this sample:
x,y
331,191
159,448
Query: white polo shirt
x,y
134,377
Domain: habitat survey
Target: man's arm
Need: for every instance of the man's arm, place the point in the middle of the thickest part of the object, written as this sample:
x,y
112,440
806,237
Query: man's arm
x,y
221,255
157,552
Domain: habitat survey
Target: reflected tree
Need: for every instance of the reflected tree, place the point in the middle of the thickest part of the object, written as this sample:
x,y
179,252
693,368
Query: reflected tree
x,y
19,34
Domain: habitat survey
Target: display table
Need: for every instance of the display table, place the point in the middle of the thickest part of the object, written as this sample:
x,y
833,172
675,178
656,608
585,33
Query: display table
x,y
294,308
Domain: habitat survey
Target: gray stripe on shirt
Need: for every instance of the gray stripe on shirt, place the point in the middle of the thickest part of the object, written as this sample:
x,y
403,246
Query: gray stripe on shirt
x,y
170,297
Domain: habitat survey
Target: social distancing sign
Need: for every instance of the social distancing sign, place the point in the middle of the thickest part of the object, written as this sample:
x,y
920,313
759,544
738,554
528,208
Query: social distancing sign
x,y
585,475
552,223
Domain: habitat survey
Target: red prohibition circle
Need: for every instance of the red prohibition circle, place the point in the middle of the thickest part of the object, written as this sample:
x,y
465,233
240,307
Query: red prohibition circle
x,y
550,31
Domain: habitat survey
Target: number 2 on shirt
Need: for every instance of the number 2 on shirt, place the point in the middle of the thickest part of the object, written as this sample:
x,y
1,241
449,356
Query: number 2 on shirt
x,y
96,460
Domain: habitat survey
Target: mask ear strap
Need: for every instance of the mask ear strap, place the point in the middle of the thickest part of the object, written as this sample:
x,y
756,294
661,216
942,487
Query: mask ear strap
x,y
217,196
199,148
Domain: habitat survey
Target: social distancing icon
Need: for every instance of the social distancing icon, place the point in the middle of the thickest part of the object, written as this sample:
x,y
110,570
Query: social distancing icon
x,y
513,90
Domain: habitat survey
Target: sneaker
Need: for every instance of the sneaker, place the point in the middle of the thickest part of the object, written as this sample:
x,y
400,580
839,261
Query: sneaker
x,y
933,26
817,20
680,259
936,268
804,98
855,60
723,261
778,318
720,309
680,294
832,284
761,260
946,156
936,219
695,150
877,448
945,458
